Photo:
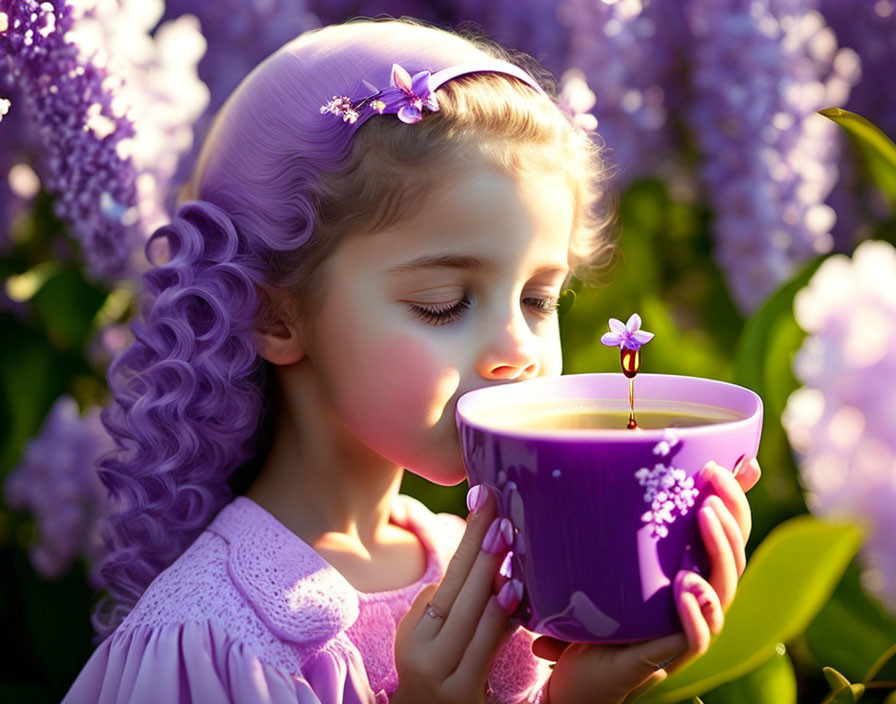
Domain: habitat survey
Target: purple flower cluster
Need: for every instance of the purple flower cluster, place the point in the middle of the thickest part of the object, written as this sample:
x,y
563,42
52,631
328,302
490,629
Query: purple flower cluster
x,y
629,53
58,483
842,421
869,28
79,131
760,72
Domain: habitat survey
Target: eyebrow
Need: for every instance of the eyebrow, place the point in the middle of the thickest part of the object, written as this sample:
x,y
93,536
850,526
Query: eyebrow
x,y
462,261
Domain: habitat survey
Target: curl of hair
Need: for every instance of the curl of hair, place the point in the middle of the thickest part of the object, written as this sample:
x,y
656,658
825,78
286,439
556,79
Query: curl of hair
x,y
276,189
189,393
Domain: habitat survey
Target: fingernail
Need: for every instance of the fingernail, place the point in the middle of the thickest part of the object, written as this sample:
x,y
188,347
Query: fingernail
x,y
510,596
507,566
499,536
476,497
689,582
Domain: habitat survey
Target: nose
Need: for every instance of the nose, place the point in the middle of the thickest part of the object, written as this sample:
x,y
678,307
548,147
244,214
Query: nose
x,y
510,352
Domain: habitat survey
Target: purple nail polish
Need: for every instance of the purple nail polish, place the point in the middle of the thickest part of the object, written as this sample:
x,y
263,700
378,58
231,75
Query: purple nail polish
x,y
476,497
499,536
507,566
510,596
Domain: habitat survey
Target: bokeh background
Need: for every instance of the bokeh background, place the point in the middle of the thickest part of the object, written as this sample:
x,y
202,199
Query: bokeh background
x,y
755,239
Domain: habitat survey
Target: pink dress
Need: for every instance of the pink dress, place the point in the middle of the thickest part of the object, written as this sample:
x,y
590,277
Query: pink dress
x,y
251,613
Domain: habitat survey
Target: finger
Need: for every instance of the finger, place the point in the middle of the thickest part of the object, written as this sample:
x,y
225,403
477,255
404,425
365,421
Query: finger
x,y
749,474
478,655
732,532
654,658
727,488
458,569
722,564
471,602
698,612
548,648
409,622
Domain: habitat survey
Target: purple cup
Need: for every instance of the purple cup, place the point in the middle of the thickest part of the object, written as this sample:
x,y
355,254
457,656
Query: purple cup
x,y
597,542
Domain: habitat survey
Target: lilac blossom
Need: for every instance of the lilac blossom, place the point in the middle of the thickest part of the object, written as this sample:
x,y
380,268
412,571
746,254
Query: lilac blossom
x,y
628,334
842,421
79,130
869,28
58,484
135,120
152,71
239,34
760,72
629,53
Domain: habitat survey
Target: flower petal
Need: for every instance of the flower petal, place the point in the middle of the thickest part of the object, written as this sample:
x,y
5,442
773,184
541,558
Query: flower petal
x,y
611,339
420,84
642,337
617,326
401,78
633,323
409,114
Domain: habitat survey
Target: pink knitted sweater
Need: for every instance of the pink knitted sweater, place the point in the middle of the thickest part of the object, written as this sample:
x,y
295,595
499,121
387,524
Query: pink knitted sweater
x,y
251,613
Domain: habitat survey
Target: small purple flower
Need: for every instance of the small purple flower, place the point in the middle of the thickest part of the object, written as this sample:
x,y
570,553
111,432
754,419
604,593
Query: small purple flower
x,y
628,335
406,97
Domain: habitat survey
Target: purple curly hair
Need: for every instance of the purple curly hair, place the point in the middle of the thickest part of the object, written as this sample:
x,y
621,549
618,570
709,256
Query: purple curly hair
x,y
277,186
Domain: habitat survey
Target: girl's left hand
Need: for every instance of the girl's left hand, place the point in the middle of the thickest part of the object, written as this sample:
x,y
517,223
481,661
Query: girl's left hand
x,y
590,673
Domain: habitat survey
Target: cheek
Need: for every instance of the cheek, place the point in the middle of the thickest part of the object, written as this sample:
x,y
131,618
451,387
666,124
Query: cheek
x,y
419,377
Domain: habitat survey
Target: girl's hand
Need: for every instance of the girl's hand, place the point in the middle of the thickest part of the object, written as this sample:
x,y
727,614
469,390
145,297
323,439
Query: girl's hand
x,y
589,673
445,659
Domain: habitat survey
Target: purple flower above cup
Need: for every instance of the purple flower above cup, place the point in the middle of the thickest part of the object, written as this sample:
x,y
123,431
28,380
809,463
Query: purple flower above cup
x,y
627,335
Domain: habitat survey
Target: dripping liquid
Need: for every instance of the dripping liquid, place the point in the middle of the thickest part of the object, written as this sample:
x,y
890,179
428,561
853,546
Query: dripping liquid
x,y
631,363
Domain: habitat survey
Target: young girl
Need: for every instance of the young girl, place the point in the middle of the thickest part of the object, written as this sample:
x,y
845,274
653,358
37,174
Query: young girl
x,y
382,218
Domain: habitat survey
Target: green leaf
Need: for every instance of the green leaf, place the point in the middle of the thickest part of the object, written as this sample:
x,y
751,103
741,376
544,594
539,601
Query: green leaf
x,y
876,148
773,682
836,681
804,553
848,695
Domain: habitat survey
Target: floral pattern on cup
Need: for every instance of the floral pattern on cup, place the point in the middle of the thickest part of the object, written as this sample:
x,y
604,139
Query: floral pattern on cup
x,y
669,491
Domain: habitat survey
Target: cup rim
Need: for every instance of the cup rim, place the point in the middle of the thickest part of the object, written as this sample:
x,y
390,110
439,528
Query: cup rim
x,y
472,397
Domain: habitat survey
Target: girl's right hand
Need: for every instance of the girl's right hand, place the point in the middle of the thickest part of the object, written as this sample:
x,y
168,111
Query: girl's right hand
x,y
446,658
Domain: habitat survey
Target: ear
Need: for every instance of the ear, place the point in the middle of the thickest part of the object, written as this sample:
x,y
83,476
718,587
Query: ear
x,y
279,342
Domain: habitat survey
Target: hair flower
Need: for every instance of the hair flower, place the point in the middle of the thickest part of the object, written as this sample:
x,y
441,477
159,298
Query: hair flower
x,y
627,335
407,97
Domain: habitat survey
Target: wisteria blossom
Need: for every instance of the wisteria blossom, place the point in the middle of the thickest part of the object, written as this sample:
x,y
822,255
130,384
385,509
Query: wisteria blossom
x,y
842,421
760,72
58,484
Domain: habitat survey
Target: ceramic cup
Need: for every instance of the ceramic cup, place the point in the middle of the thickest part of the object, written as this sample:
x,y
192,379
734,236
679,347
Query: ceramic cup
x,y
603,518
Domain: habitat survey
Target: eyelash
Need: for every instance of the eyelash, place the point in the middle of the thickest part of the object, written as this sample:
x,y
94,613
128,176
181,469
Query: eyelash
x,y
442,316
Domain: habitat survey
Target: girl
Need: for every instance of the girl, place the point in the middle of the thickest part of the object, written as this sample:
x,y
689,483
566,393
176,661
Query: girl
x,y
381,219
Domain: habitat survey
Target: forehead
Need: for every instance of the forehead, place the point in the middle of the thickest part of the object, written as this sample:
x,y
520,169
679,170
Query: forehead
x,y
478,210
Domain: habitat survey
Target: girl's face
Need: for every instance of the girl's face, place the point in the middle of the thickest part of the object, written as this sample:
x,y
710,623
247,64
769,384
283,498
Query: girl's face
x,y
460,296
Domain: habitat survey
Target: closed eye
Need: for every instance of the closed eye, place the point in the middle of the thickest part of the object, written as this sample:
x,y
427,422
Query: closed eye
x,y
443,314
